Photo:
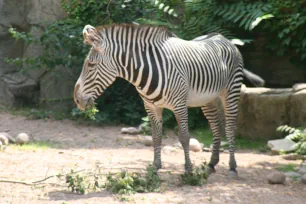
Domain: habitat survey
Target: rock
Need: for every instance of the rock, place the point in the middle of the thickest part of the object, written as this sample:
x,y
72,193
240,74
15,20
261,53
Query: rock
x,y
262,110
4,138
298,106
276,178
18,88
282,145
178,145
303,180
194,145
302,169
202,145
130,130
169,149
292,174
57,84
147,140
22,138
293,156
206,149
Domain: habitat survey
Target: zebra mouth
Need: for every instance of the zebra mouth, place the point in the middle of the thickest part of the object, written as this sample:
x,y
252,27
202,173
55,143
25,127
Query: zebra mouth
x,y
85,103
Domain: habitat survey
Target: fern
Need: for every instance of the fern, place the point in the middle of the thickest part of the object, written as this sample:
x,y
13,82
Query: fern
x,y
297,135
246,15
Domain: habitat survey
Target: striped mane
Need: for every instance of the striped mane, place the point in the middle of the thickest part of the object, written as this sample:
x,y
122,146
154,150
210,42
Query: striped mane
x,y
160,30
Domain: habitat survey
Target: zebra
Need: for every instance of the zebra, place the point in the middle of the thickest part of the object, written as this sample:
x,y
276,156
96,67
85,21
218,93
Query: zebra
x,y
168,72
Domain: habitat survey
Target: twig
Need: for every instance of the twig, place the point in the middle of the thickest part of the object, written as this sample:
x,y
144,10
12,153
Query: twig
x,y
38,181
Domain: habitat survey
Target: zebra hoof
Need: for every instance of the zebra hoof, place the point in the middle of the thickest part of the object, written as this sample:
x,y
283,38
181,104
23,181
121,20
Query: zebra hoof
x,y
232,174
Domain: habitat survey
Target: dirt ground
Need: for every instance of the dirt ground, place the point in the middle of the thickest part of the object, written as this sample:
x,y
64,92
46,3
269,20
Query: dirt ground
x,y
81,146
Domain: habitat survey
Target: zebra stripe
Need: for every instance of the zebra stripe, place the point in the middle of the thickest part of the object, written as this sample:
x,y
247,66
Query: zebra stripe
x,y
168,72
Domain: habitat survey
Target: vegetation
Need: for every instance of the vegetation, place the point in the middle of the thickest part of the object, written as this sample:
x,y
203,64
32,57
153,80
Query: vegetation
x,y
287,167
35,145
129,183
205,136
296,135
235,19
197,177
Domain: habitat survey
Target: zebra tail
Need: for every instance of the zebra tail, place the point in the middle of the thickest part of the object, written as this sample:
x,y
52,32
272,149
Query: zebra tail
x,y
253,78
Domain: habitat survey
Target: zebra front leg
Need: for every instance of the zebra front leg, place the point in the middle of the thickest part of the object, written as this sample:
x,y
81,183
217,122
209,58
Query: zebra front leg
x,y
155,115
230,103
212,114
181,115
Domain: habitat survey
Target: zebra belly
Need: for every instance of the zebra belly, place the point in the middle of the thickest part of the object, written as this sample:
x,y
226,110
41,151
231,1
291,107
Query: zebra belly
x,y
196,99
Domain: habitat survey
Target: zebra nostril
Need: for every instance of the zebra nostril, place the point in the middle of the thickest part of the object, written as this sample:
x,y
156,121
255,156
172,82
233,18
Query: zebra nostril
x,y
77,101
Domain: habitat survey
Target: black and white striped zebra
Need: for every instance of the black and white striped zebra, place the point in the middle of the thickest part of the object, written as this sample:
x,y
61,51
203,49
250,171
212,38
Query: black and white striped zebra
x,y
168,72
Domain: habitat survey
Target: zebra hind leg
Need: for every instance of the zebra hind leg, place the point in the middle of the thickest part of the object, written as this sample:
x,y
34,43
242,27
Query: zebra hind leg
x,y
230,103
181,115
155,115
214,118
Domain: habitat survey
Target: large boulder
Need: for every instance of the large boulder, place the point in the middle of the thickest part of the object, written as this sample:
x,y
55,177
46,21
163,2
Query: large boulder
x,y
279,145
297,108
262,110
25,16
56,88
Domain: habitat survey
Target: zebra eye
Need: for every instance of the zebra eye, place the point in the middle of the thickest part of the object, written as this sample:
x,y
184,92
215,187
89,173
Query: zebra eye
x,y
91,64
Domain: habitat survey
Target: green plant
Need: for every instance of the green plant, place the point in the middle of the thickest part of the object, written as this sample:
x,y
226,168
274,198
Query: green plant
x,y
286,168
287,35
76,183
89,112
297,135
197,177
129,183
146,125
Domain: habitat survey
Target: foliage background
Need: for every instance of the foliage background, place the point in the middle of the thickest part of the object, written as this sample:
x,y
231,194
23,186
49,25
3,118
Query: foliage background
x,y
281,22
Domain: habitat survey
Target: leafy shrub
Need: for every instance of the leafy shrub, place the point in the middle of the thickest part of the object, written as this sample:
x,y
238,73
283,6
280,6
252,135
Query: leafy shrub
x,y
129,183
197,177
286,31
296,135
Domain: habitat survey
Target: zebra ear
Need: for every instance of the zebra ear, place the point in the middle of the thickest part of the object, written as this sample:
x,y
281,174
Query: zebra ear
x,y
92,37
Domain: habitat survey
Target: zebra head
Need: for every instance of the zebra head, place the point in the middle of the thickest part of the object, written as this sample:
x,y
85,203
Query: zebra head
x,y
97,74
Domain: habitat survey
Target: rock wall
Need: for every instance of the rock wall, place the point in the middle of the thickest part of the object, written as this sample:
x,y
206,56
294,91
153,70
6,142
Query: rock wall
x,y
28,16
262,110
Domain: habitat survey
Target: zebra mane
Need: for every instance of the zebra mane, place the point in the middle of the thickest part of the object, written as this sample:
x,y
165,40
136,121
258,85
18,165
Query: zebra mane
x,y
162,29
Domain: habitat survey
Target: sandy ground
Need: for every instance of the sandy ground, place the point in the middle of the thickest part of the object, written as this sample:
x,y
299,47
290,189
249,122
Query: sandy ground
x,y
81,146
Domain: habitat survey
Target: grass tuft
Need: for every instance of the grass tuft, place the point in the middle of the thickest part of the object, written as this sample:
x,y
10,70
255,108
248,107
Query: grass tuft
x,y
34,146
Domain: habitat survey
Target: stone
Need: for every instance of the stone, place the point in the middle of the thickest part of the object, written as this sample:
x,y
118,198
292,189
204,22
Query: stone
x,y
303,180
169,149
194,145
297,114
147,140
22,138
293,156
302,169
276,178
292,174
206,149
4,138
282,145
262,110
178,145
58,85
130,130
19,88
